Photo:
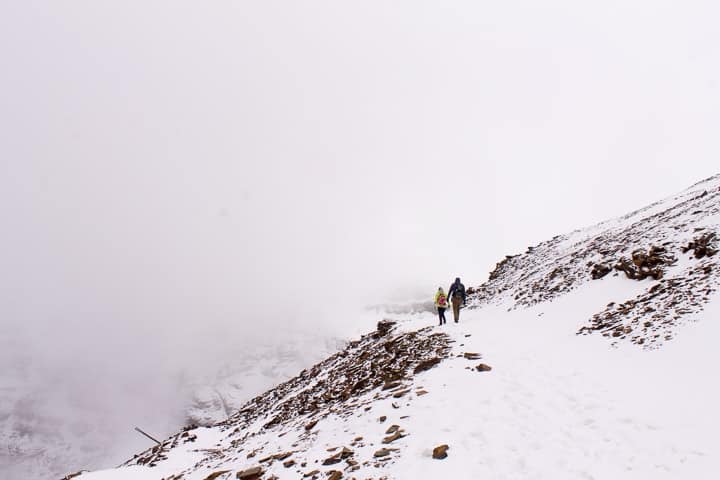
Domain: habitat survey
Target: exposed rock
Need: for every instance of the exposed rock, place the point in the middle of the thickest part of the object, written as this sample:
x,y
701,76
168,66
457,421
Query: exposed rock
x,y
702,246
215,475
397,434
384,452
392,384
401,393
334,475
472,356
250,474
599,270
288,463
384,327
440,452
392,429
483,367
426,365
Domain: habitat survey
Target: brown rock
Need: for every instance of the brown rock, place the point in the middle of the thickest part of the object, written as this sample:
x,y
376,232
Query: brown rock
x,y
250,474
483,367
472,356
214,475
426,365
392,429
393,437
440,452
382,419
311,474
335,475
310,425
288,463
383,452
282,456
392,384
401,393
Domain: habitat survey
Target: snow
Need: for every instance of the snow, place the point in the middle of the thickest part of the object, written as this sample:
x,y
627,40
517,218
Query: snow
x,y
555,405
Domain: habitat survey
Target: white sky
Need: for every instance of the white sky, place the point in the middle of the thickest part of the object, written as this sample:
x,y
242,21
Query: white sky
x,y
255,164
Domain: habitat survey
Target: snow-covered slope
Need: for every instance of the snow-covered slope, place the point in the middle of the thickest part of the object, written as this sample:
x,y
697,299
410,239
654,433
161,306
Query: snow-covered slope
x,y
48,427
512,390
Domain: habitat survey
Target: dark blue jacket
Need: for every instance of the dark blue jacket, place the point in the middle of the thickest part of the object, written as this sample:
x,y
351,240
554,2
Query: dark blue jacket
x,y
457,288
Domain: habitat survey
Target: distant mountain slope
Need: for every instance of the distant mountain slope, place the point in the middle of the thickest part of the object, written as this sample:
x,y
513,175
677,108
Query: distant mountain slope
x,y
512,391
670,245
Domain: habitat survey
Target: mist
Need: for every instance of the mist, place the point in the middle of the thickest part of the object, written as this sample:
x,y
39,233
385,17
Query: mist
x,y
178,180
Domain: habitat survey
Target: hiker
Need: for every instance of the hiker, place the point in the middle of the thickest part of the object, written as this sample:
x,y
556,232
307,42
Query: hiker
x,y
457,297
441,303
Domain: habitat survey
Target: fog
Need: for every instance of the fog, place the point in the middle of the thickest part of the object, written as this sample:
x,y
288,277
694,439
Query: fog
x,y
179,179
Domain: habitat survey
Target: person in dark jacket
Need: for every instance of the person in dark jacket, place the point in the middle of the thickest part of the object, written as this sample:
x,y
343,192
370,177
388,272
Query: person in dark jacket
x,y
456,293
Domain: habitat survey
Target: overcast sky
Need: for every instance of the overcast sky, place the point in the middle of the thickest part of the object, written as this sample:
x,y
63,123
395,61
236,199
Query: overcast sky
x,y
195,165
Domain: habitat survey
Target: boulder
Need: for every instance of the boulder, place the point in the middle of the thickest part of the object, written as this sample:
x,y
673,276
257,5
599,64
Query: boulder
x,y
440,452
250,474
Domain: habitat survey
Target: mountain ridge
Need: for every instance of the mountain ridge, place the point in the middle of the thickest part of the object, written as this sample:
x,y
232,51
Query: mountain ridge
x,y
553,400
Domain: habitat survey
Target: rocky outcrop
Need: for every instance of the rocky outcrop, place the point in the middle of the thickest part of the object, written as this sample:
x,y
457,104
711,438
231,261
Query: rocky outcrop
x,y
643,246
378,366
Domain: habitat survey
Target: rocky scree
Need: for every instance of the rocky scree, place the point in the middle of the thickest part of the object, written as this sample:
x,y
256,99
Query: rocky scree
x,y
377,366
645,246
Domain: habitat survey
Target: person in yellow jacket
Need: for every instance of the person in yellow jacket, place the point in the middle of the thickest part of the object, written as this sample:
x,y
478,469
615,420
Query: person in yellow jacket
x,y
441,303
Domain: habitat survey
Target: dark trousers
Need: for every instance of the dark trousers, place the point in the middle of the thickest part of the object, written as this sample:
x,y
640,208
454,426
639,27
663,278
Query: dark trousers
x,y
441,314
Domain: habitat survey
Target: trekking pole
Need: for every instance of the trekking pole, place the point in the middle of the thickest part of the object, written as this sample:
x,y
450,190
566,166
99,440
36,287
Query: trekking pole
x,y
148,436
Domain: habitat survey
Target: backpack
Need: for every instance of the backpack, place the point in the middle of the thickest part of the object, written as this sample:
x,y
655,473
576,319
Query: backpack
x,y
459,290
442,300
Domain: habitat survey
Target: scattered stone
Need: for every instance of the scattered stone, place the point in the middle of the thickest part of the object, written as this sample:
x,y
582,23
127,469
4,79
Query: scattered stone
x,y
392,429
440,452
472,356
420,393
599,270
401,393
704,245
309,426
334,475
392,384
382,419
483,367
311,474
393,437
426,365
384,452
288,463
212,476
250,474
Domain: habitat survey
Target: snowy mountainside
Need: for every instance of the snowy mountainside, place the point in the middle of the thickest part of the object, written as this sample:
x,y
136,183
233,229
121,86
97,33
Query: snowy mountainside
x,y
48,427
669,246
511,391
250,372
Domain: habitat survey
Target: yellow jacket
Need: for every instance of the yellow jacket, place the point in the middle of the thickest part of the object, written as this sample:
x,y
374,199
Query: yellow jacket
x,y
437,299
